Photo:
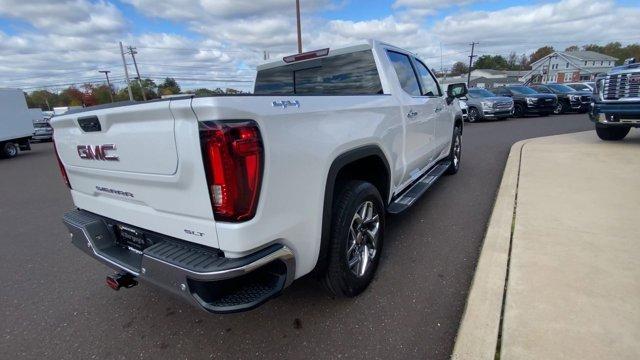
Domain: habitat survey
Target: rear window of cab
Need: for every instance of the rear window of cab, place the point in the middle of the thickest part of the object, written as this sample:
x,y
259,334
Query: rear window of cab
x,y
346,74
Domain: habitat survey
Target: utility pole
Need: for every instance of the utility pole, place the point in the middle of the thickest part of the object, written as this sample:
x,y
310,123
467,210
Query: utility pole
x,y
126,72
265,55
473,46
133,53
299,30
106,73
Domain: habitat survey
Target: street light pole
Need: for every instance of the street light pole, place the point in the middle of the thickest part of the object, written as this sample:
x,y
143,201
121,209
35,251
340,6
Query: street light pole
x,y
106,73
298,23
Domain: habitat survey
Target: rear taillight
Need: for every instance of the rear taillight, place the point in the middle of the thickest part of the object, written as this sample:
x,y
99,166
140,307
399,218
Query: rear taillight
x,y
233,160
63,171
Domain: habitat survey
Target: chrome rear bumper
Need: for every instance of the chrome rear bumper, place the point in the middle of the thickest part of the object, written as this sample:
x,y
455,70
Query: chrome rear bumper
x,y
202,276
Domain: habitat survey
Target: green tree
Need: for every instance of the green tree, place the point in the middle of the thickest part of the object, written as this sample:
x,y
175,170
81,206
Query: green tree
x,y
232,91
169,87
42,99
459,68
207,92
572,48
496,62
102,94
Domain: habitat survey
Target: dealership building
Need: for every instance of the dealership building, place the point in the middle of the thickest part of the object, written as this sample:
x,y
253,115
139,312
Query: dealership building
x,y
570,66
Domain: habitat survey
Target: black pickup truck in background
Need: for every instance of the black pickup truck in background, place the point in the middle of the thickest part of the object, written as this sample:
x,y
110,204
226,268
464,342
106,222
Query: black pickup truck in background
x,y
616,101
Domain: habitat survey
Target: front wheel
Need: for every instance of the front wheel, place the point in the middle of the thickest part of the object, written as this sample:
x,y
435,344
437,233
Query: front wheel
x,y
474,115
559,109
455,154
357,229
9,150
612,133
518,110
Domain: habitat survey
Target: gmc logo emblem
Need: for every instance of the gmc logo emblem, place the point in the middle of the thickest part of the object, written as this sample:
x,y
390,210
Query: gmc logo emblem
x,y
98,152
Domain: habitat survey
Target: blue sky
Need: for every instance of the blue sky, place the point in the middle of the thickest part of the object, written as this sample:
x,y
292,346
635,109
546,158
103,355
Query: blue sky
x,y
42,42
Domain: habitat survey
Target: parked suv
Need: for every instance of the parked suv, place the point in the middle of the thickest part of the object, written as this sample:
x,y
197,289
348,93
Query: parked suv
x,y
483,104
616,106
582,86
569,99
528,101
225,200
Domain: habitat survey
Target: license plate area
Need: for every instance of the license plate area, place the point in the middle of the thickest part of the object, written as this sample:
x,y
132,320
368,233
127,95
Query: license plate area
x,y
131,238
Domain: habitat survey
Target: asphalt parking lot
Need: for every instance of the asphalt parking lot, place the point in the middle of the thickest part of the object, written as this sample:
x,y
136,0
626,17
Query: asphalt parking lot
x,y
55,303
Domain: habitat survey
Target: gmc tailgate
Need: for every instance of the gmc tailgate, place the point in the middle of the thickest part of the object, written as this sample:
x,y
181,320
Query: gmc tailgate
x,y
140,165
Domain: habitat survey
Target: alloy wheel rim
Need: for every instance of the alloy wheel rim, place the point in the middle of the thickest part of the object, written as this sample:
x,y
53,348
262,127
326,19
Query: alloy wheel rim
x,y
12,150
473,115
364,232
558,108
519,110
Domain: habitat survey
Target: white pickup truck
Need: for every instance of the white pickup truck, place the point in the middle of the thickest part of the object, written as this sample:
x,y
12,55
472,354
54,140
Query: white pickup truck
x,y
226,200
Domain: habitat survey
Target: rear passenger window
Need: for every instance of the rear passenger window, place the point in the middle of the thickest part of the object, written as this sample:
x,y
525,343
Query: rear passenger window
x,y
406,75
429,85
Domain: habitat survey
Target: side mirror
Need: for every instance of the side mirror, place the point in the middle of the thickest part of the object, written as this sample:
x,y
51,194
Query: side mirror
x,y
457,90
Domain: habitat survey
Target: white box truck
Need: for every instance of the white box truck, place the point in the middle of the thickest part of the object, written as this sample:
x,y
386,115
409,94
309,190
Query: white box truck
x,y
16,125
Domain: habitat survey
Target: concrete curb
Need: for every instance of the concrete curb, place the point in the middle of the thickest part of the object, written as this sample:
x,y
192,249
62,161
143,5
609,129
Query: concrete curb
x,y
478,333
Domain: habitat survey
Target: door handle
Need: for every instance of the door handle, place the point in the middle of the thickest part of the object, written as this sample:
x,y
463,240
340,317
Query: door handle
x,y
438,109
412,114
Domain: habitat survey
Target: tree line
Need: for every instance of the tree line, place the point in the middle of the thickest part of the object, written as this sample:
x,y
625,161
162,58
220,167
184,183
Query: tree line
x,y
523,61
91,94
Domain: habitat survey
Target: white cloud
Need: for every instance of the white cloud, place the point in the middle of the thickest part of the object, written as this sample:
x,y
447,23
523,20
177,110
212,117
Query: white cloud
x,y
66,17
69,40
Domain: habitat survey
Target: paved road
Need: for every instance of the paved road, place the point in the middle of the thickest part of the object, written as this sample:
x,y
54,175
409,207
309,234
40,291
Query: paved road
x,y
54,303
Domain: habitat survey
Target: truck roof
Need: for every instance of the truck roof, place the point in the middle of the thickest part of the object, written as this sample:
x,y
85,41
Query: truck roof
x,y
360,46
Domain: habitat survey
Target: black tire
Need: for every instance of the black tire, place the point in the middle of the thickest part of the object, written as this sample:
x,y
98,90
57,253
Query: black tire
x,y
339,278
612,133
518,110
455,154
9,150
560,108
474,115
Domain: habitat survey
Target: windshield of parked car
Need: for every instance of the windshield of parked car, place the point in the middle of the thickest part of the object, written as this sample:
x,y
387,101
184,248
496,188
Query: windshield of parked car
x,y
480,93
522,90
579,87
561,88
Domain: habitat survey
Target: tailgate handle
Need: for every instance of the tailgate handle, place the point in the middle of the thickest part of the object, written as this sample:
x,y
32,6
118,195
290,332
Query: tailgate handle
x,y
89,123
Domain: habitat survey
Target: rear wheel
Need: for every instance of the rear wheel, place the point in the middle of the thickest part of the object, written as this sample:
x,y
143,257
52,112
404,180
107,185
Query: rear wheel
x,y
357,229
9,150
612,133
